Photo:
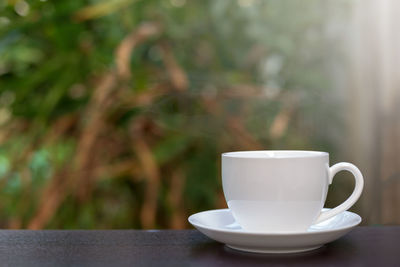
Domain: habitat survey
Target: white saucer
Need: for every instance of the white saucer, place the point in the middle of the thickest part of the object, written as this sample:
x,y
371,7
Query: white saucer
x,y
221,226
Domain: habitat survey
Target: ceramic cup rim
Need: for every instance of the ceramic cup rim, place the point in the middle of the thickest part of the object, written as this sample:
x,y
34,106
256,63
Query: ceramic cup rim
x,y
274,154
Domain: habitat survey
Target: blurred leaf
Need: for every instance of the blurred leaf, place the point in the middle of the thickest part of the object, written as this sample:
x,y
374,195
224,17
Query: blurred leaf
x,y
170,147
101,9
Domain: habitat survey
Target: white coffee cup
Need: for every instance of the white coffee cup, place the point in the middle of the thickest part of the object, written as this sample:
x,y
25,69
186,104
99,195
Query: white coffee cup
x,y
282,191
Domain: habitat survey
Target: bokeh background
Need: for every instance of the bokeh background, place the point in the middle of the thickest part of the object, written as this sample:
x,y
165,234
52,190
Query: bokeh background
x,y
113,113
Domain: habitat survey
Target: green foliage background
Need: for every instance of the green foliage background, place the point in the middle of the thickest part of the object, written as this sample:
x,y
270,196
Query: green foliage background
x,y
84,144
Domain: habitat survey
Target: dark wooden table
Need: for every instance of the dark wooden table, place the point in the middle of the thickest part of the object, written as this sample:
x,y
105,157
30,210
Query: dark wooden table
x,y
364,246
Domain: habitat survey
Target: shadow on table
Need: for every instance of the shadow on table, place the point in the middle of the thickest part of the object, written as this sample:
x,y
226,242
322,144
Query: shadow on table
x,y
214,253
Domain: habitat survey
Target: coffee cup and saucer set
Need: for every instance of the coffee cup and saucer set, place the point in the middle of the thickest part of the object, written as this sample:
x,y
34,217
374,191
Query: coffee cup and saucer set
x,y
276,201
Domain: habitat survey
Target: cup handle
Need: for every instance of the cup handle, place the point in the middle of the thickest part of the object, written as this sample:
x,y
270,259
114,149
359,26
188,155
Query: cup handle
x,y
343,166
